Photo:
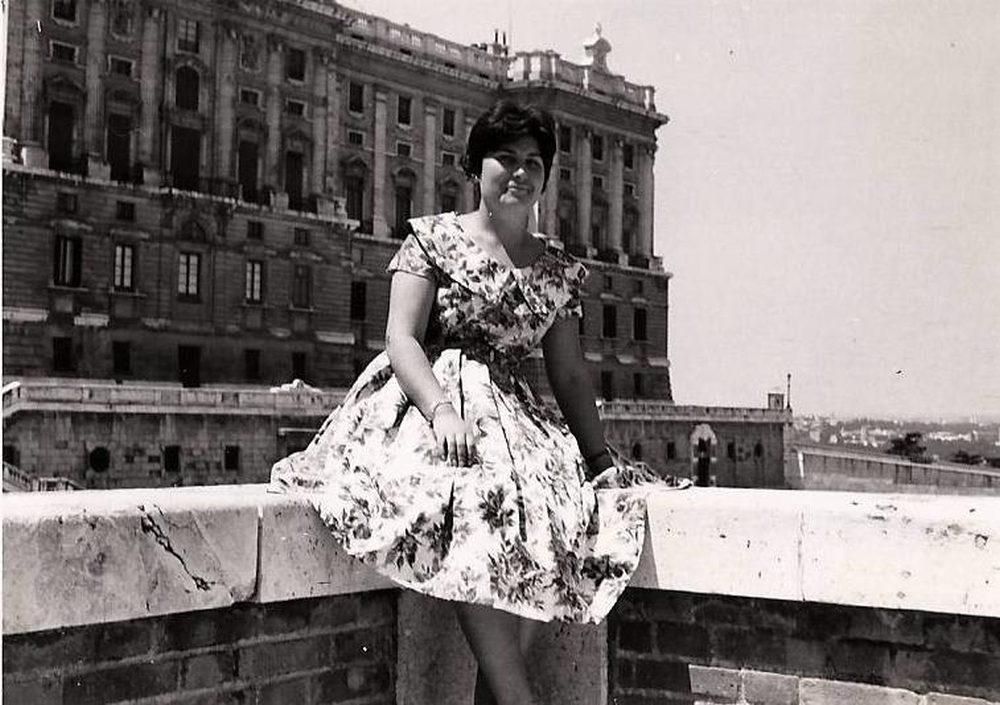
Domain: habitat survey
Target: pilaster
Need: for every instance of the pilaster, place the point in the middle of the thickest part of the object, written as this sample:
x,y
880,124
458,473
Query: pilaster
x,y
320,116
272,158
550,202
93,121
644,246
616,194
380,227
430,155
584,186
226,105
331,170
149,75
31,88
469,190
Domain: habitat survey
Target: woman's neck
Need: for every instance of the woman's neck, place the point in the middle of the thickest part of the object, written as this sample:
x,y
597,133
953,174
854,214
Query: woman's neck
x,y
507,224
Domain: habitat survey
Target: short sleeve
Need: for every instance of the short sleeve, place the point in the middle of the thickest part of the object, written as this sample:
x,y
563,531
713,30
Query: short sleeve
x,y
574,274
412,258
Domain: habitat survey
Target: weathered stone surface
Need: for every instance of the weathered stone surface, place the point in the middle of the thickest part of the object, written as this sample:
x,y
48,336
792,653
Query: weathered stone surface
x,y
940,554
72,558
717,541
299,557
813,691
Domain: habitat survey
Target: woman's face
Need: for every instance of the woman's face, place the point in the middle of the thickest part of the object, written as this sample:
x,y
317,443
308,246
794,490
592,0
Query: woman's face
x,y
513,174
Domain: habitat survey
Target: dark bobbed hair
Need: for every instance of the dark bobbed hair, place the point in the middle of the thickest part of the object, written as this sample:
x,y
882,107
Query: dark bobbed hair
x,y
503,123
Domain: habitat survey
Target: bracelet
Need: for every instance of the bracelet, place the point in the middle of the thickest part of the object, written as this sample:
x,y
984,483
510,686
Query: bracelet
x,y
434,409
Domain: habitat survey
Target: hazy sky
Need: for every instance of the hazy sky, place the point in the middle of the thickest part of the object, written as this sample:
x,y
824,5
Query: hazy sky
x,y
828,187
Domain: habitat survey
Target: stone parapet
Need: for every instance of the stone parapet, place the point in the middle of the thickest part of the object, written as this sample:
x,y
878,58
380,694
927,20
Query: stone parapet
x,y
646,409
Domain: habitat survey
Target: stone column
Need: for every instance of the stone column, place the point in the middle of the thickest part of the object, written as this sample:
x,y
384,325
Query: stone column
x,y
469,192
272,157
550,204
149,81
380,227
616,194
93,122
583,188
226,111
644,236
331,170
35,152
319,115
430,155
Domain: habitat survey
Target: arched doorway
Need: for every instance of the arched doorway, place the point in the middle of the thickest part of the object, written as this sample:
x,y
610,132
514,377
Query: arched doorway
x,y
703,447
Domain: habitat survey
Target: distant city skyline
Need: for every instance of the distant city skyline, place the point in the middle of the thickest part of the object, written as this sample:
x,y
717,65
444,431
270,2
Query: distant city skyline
x,y
827,189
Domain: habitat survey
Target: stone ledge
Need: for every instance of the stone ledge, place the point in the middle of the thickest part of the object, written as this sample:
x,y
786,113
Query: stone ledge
x,y
98,556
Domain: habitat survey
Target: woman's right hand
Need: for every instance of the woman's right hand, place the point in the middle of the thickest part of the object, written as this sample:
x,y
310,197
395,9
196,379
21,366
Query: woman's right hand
x,y
454,437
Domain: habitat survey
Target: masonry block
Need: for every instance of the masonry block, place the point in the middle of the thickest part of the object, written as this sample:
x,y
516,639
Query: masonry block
x,y
717,683
942,699
763,688
814,691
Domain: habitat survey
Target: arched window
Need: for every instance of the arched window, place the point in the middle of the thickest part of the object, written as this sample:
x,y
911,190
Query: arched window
x,y
186,88
630,224
449,196
404,182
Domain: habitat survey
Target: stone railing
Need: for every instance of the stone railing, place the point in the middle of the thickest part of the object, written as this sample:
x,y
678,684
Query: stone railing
x,y
51,394
759,596
825,468
640,408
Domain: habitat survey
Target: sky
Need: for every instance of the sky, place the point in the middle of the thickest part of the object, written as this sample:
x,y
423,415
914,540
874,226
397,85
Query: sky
x,y
827,188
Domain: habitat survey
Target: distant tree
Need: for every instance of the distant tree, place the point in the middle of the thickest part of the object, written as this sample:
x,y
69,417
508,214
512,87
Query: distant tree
x,y
968,458
908,447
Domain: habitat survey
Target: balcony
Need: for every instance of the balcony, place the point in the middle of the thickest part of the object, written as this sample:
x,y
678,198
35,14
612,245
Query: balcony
x,y
225,594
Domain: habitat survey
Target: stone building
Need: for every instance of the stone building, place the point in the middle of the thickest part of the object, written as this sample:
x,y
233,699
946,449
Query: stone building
x,y
208,194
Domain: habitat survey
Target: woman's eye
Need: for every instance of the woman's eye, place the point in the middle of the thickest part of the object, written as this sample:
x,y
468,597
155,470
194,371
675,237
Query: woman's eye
x,y
534,165
508,160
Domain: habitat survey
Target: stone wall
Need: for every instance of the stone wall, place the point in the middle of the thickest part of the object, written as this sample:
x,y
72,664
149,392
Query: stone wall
x,y
338,649
673,647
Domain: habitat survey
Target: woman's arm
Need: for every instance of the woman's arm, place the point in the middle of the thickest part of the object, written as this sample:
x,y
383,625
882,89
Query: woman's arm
x,y
570,383
410,301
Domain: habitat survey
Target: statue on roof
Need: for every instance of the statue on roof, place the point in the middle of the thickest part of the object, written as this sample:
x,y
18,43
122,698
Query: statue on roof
x,y
596,49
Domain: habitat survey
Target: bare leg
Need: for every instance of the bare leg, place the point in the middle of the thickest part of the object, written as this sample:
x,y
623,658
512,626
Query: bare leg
x,y
527,629
494,638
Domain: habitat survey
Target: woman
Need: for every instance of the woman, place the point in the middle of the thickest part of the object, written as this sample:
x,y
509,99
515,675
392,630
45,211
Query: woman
x,y
442,468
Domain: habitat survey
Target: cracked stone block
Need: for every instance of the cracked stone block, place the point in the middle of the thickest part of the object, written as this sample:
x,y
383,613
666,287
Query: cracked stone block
x,y
125,554
711,541
300,558
861,549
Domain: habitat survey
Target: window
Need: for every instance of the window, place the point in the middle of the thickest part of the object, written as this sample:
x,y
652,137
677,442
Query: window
x,y
672,450
356,98
247,170
354,190
231,458
68,256
250,97
63,52
597,148
598,183
254,281
639,324
403,105
731,450
449,203
628,155
301,237
64,10
565,174
609,282
172,458
188,271
295,65
187,36
637,287
629,190
607,385
637,451
295,107
565,139
404,149
125,210
66,202
250,50
62,354
610,327
251,364
121,357
185,158
121,17
255,230
758,450
121,67
124,267
448,159
448,122
355,138
301,286
119,146
299,365
638,385
404,200
186,88
294,177
359,296
62,119
11,454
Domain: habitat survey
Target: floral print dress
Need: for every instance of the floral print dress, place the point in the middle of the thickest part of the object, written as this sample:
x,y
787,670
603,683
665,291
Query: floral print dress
x,y
521,529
